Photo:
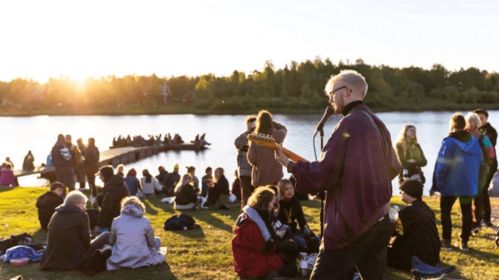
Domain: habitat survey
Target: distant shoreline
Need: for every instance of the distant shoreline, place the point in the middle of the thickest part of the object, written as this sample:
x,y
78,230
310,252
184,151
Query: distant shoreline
x,y
176,109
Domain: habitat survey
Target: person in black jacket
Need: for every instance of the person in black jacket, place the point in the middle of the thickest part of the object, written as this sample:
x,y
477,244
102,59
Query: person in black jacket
x,y
68,238
91,163
47,203
113,192
487,129
63,159
218,191
291,214
420,234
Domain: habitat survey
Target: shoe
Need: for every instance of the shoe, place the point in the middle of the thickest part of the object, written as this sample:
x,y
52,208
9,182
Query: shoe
x,y
464,246
446,244
475,230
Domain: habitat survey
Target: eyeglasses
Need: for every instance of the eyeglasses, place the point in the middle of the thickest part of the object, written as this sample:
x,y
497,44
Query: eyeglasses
x,y
335,90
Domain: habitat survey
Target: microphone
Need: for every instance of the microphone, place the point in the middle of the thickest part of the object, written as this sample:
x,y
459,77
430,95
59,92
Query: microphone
x,y
327,113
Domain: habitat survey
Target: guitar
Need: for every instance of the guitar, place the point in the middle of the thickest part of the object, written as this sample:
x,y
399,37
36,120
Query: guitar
x,y
269,142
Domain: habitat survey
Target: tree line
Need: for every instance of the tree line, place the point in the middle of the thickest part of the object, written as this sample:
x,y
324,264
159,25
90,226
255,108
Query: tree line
x,y
297,87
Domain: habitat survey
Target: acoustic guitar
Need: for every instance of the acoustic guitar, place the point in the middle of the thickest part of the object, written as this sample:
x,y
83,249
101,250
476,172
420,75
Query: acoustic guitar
x,y
269,142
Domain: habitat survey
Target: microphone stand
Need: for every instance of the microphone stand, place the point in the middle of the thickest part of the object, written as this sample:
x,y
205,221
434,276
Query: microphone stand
x,y
320,194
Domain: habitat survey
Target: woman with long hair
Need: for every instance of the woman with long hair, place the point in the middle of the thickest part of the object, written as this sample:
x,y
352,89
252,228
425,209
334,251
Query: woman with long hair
x,y
265,169
410,155
149,184
254,245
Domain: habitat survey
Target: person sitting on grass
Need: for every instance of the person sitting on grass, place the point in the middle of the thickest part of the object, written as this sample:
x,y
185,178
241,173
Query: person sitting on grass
x,y
131,181
420,234
254,247
149,184
218,191
132,238
48,201
113,192
291,214
69,244
208,177
185,196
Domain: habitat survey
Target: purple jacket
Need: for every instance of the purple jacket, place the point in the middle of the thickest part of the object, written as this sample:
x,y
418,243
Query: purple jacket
x,y
356,168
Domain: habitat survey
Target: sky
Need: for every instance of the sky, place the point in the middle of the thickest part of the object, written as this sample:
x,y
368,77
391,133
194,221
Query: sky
x,y
94,38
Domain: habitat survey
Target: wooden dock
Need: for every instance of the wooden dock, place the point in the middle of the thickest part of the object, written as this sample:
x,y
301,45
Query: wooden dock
x,y
118,156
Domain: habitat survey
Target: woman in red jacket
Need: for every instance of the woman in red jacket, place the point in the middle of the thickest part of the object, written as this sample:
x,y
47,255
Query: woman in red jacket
x,y
253,246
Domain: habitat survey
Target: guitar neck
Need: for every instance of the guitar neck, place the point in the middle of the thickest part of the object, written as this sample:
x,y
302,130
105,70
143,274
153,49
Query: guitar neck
x,y
292,156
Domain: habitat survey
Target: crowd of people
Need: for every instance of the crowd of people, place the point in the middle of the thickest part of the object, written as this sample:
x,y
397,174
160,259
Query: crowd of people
x,y
362,232
156,140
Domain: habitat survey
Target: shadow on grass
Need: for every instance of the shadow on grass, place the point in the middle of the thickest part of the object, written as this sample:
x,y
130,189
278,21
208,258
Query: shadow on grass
x,y
392,273
32,271
193,234
149,208
208,217
6,189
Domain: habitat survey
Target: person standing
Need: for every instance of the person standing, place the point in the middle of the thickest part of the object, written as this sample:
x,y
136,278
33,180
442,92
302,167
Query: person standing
x,y
91,163
265,170
456,176
63,161
80,167
355,169
487,129
244,168
410,155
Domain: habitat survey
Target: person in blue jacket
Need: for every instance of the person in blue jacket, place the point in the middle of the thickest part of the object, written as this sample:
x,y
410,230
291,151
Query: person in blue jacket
x,y
456,176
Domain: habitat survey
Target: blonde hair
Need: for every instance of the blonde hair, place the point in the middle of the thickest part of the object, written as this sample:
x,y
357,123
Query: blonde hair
x,y
351,78
132,200
261,198
472,120
75,197
402,137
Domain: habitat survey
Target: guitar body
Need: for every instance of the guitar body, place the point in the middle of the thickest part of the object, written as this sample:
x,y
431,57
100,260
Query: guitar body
x,y
269,142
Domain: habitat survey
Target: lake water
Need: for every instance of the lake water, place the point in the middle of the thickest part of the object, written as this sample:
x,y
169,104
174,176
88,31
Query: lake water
x,y
39,133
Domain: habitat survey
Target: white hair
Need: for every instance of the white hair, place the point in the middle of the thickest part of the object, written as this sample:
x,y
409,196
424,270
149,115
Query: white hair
x,y
351,78
75,197
472,120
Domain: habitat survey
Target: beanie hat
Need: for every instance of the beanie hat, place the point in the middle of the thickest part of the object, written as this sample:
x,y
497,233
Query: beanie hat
x,y
413,188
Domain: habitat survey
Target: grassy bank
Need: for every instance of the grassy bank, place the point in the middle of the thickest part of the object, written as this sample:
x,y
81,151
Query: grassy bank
x,y
206,253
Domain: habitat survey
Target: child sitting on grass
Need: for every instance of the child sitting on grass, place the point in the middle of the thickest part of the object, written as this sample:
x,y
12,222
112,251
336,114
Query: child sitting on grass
x,y
48,201
291,214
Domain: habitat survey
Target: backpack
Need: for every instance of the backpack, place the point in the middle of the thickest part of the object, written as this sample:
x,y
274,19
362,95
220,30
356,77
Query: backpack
x,y
180,222
20,239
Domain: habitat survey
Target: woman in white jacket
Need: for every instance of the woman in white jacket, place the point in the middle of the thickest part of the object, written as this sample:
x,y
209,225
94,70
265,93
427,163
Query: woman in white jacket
x,y
150,185
132,238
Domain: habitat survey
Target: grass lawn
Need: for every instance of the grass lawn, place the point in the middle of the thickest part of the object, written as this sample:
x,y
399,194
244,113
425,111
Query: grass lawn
x,y
206,253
